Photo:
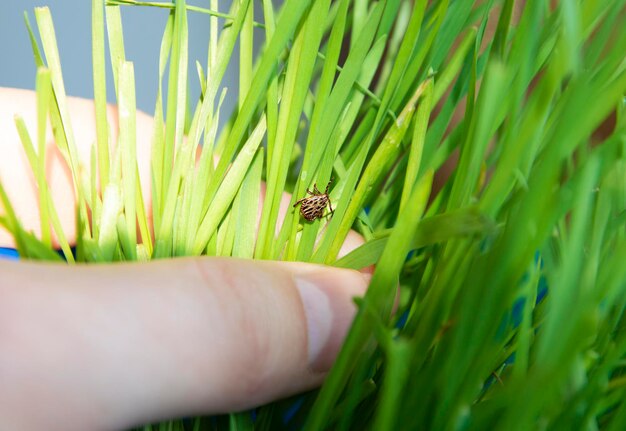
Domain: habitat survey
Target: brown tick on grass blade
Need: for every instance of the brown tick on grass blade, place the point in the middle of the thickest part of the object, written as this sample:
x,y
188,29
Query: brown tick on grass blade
x,y
312,207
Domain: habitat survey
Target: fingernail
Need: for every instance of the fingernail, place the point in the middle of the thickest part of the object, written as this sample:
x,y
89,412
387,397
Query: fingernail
x,y
327,298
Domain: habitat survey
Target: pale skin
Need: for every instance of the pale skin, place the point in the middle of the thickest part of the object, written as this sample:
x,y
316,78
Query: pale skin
x,y
112,346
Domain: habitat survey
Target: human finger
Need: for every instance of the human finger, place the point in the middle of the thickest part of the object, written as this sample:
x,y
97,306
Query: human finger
x,y
122,344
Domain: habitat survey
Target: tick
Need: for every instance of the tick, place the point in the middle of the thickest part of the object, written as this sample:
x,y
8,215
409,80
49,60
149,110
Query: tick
x,y
312,207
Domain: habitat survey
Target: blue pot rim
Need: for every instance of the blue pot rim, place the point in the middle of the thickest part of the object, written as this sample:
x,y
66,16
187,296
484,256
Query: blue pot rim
x,y
8,253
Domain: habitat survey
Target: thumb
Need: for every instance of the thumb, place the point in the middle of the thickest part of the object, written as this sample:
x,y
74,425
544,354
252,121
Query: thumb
x,y
123,344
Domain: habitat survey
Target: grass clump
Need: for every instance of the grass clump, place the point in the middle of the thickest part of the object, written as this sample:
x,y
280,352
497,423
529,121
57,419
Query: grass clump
x,y
511,274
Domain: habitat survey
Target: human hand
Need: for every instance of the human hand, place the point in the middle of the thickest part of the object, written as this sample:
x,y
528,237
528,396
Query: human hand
x,y
111,346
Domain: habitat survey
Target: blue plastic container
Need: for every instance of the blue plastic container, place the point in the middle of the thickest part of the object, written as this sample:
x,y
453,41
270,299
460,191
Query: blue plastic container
x,y
8,253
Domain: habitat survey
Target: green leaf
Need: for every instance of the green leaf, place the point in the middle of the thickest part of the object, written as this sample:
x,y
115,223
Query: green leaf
x,y
431,230
127,142
99,89
226,193
380,297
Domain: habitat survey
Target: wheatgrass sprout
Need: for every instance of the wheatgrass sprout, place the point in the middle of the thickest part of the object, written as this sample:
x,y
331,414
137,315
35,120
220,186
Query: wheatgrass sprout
x,y
477,146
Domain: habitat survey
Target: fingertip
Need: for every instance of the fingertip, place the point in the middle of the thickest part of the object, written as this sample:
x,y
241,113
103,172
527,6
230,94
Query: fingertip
x,y
327,297
291,318
353,241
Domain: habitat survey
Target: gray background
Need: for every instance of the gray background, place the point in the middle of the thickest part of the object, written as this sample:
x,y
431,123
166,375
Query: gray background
x,y
143,30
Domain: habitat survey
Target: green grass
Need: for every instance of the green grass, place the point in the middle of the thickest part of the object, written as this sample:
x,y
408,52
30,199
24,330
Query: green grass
x,y
378,98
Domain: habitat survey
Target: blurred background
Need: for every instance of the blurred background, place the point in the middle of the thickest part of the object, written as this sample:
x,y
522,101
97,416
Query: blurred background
x,y
143,30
